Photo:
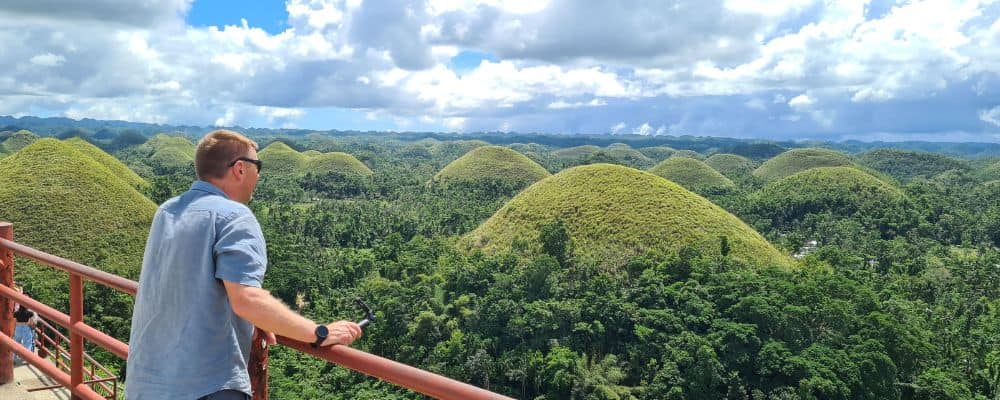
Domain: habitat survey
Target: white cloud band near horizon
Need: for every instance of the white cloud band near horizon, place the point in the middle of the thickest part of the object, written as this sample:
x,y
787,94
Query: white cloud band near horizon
x,y
795,69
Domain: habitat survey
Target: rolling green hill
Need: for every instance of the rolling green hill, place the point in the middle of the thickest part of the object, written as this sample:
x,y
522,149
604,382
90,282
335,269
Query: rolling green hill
x,y
116,167
281,160
335,162
731,165
18,140
904,165
612,212
843,191
693,175
491,163
64,202
169,153
688,154
657,153
576,152
797,160
630,156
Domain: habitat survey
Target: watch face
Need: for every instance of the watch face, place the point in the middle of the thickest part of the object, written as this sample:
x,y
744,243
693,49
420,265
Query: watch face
x,y
322,331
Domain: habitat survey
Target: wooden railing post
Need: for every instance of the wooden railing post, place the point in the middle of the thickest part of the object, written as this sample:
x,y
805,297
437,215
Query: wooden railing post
x,y
75,339
258,365
6,305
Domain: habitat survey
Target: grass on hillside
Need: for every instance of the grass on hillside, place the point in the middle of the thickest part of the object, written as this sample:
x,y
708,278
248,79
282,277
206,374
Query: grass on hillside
x,y
63,202
844,191
491,162
731,165
576,152
693,175
688,154
18,140
118,168
280,159
613,212
657,153
797,160
169,153
337,162
630,156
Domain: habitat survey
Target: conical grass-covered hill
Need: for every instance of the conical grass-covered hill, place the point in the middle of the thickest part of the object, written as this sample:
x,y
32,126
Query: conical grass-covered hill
x,y
612,212
63,202
657,153
693,175
794,161
18,140
632,157
688,154
337,163
282,160
491,163
169,153
731,165
843,191
576,152
117,168
905,165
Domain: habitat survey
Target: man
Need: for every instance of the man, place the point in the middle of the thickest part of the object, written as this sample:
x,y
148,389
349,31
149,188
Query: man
x,y
200,286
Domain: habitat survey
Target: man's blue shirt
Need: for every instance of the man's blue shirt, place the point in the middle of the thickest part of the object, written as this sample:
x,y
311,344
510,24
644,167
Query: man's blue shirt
x,y
186,341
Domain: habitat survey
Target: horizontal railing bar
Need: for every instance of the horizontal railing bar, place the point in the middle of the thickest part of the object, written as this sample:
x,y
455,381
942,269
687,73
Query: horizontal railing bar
x,y
50,387
412,378
86,356
61,352
109,343
89,273
47,368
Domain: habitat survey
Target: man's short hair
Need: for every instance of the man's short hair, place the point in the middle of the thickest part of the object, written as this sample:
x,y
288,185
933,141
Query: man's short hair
x,y
217,149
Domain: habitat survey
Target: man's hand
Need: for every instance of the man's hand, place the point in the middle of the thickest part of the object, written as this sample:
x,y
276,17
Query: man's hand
x,y
342,332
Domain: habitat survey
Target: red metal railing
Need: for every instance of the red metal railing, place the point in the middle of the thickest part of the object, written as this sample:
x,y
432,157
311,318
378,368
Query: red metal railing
x,y
50,343
397,373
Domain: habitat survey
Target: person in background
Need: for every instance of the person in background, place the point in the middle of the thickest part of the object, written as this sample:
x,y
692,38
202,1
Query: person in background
x,y
24,331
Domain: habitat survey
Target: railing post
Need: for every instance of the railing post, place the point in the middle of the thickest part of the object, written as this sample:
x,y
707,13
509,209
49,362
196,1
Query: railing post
x,y
258,365
6,305
75,339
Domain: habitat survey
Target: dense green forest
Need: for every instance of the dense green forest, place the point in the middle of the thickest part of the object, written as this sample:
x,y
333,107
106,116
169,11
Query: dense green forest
x,y
893,291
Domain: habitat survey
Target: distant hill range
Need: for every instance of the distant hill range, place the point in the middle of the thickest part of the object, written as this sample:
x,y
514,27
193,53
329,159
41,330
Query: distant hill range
x,y
754,149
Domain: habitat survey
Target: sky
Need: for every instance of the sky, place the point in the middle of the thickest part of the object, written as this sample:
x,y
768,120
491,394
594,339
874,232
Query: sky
x,y
773,69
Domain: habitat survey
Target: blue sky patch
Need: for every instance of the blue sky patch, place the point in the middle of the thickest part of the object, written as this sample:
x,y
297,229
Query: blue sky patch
x,y
468,60
269,15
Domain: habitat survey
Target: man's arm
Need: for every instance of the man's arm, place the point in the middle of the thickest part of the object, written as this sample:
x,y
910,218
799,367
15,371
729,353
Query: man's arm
x,y
268,313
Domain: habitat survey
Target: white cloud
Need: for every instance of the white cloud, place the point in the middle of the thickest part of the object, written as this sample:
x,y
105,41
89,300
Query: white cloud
x,y
644,130
991,116
618,128
48,60
560,104
662,130
801,102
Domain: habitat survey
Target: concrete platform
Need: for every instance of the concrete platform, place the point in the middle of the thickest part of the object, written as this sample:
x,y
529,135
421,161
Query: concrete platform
x,y
27,377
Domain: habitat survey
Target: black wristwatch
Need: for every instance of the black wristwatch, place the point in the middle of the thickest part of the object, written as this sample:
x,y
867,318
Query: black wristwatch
x,y
321,334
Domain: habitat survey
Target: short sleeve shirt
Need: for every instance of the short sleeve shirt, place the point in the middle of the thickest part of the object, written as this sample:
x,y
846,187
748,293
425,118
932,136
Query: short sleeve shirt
x,y
186,341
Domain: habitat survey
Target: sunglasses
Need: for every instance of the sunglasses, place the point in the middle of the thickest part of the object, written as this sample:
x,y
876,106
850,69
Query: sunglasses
x,y
258,163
